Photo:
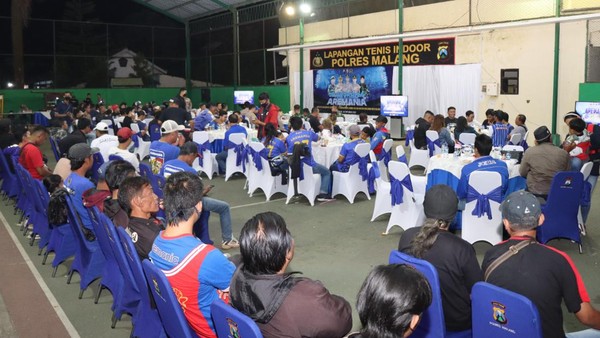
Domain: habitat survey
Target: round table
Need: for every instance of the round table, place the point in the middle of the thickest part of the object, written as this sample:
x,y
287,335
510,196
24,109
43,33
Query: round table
x,y
327,154
216,138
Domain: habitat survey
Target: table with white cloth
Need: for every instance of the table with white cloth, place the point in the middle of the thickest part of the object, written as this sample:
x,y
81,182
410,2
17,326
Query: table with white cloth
x,y
216,138
446,169
327,151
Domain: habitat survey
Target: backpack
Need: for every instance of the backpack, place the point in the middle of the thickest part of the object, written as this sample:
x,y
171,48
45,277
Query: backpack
x,y
278,167
95,198
57,208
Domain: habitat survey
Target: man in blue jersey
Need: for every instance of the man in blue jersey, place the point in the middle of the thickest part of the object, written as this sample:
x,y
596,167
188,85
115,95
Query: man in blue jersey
x,y
500,130
483,162
187,155
347,154
82,160
380,136
199,273
166,148
204,117
298,135
234,128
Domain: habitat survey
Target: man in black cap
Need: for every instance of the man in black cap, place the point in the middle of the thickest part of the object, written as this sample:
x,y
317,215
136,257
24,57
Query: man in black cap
x,y
453,257
81,162
542,162
84,127
541,273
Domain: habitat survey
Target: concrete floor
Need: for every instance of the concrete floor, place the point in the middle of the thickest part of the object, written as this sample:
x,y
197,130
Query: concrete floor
x,y
335,243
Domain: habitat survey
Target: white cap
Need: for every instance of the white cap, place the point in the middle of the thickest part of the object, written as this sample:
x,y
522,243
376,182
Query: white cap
x,y
101,126
170,126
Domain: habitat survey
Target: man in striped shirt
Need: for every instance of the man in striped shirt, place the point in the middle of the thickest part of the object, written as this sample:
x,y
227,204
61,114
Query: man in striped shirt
x,y
500,130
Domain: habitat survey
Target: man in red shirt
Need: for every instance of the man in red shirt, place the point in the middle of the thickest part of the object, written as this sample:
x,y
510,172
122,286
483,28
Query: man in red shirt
x,y
31,157
268,113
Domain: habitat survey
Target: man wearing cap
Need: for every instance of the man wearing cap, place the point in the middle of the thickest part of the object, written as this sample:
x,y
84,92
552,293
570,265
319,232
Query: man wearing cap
x,y
453,257
166,148
187,155
177,114
122,150
483,162
542,162
541,273
347,154
82,160
77,136
104,141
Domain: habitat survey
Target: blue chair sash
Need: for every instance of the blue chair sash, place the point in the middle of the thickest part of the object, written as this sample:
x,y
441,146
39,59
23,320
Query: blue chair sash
x,y
257,157
202,147
431,145
403,159
386,156
136,141
374,173
241,152
362,165
586,195
483,201
397,190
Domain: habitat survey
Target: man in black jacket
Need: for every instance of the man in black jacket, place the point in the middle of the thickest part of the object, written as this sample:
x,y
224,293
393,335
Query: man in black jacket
x,y
422,126
84,126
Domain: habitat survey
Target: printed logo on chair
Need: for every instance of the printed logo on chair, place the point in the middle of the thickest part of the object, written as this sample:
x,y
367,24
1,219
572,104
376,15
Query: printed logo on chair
x,y
499,313
233,328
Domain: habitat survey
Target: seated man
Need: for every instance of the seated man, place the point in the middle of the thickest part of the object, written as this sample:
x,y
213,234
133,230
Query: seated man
x,y
199,272
187,155
234,128
307,137
219,121
103,140
76,183
166,148
541,273
380,136
422,125
483,162
79,135
137,198
115,173
122,150
540,163
31,157
282,304
347,154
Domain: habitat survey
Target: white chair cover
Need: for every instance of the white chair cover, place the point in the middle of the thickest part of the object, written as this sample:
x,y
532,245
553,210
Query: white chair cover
x,y
418,157
510,147
407,214
351,183
230,165
209,160
515,139
433,136
474,228
467,138
383,199
309,186
263,179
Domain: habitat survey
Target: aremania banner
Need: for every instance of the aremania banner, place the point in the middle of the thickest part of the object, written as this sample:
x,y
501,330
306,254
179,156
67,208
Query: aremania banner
x,y
354,78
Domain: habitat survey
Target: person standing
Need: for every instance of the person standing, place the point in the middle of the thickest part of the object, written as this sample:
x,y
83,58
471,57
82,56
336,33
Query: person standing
x,y
268,113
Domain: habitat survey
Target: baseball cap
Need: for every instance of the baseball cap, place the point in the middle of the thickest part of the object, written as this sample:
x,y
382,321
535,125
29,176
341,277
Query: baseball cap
x,y
101,126
521,207
170,126
114,107
125,133
541,133
440,203
354,130
81,151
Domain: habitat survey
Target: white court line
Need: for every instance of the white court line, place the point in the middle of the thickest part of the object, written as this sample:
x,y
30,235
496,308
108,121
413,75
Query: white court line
x,y
53,302
257,203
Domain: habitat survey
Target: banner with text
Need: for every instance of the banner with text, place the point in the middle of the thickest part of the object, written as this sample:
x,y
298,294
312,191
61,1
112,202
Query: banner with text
x,y
354,78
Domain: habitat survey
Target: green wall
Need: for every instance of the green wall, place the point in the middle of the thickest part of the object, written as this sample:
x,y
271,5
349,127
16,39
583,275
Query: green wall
x,y
589,92
34,99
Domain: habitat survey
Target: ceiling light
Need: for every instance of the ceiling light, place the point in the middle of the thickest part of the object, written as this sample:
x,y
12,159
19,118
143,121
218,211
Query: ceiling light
x,y
289,10
305,8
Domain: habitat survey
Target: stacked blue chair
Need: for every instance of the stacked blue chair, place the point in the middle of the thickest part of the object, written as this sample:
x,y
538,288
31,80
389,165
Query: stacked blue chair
x,y
89,260
62,243
226,319
169,310
432,320
9,186
55,148
146,322
498,313
98,162
44,200
40,226
28,213
561,208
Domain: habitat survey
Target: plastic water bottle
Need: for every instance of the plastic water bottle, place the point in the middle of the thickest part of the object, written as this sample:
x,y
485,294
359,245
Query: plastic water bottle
x,y
444,149
508,155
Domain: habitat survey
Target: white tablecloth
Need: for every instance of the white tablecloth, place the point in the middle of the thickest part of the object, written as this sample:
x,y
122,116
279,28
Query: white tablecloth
x,y
454,165
326,155
220,134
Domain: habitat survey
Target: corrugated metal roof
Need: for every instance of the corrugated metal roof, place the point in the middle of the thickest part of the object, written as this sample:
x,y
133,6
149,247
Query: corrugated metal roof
x,y
186,10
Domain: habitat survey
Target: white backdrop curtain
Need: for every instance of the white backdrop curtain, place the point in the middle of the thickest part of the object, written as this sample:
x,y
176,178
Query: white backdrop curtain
x,y
436,88
308,99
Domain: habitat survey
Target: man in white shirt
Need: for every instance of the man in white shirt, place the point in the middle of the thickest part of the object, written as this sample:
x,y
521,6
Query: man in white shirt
x,y
103,140
124,136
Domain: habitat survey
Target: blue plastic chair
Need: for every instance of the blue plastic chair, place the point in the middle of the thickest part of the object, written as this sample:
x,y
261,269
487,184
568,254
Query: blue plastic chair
x,y
114,157
561,208
89,260
432,320
154,132
55,148
41,226
169,310
44,200
229,322
497,313
24,198
146,321
111,276
98,162
9,183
